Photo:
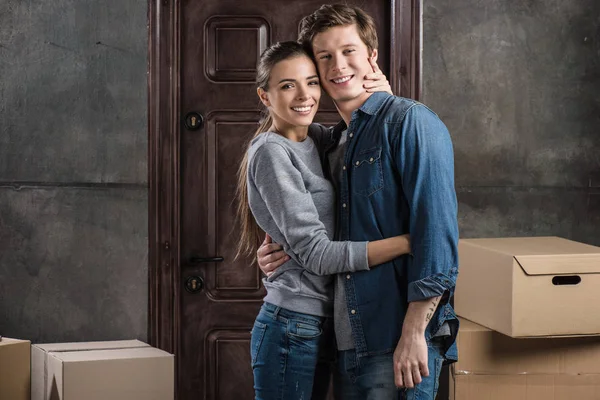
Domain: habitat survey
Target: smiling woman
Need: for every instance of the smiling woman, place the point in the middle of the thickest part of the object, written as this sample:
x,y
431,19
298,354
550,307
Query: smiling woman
x,y
292,96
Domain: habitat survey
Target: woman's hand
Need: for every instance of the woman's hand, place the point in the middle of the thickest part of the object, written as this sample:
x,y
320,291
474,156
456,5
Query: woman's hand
x,y
376,81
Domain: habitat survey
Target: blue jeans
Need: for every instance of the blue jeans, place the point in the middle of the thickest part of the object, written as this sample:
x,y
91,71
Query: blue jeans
x,y
372,377
291,354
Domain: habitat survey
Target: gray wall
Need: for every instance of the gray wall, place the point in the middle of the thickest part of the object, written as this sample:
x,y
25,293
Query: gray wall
x,y
518,85
516,82
73,170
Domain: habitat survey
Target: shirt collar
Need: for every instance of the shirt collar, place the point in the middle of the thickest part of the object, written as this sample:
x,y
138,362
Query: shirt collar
x,y
371,106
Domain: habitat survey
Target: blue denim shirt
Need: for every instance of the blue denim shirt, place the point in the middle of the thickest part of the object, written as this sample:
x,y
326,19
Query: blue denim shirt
x,y
399,178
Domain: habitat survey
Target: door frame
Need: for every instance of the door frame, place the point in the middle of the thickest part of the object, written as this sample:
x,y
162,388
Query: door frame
x,y
164,130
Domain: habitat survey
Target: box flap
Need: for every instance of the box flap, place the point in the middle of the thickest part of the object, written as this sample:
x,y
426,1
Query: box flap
x,y
79,346
560,264
111,354
8,341
535,246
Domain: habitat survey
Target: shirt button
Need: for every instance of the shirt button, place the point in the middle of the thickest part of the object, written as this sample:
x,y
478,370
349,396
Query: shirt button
x,y
347,276
353,311
371,159
358,163
352,134
344,205
344,167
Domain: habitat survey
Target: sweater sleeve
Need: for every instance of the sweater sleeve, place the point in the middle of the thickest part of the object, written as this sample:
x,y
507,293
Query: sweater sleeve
x,y
273,176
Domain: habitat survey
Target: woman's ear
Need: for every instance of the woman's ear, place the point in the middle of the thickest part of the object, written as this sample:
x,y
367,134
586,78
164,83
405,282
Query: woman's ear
x,y
264,97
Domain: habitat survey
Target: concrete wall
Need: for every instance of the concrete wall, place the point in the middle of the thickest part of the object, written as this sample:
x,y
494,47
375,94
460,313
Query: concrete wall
x,y
518,85
516,82
73,170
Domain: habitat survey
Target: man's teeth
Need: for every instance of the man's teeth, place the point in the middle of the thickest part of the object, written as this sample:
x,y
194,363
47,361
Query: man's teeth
x,y
342,80
302,109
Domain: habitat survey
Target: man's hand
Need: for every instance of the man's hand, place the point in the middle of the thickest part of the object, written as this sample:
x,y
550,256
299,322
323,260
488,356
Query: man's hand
x,y
410,356
270,256
376,81
410,360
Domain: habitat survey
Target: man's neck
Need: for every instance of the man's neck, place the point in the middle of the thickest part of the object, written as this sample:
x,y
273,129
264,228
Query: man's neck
x,y
346,108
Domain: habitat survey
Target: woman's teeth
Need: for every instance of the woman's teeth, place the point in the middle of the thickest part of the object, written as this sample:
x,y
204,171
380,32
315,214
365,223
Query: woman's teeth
x,y
302,109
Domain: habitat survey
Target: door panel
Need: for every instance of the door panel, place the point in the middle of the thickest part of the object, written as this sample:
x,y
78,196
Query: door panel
x,y
203,56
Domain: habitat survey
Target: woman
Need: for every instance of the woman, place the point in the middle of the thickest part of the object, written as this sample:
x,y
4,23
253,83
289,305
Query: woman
x,y
282,190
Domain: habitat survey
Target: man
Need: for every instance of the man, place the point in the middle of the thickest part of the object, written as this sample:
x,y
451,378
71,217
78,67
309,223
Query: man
x,y
392,165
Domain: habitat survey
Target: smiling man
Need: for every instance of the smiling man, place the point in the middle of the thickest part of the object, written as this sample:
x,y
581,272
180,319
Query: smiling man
x,y
391,162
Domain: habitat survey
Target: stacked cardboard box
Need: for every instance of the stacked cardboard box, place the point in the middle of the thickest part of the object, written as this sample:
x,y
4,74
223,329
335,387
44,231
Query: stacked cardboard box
x,y
493,366
14,369
534,307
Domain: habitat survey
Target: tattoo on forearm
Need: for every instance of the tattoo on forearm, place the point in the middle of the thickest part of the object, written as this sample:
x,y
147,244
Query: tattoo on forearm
x,y
432,308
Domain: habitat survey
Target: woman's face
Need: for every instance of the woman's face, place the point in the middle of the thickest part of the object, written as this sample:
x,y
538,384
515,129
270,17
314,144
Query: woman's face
x,y
294,92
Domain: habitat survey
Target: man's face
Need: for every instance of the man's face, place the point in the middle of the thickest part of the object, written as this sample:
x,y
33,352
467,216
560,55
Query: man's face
x,y
343,61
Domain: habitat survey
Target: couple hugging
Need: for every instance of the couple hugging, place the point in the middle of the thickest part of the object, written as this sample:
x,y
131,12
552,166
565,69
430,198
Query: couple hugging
x,y
361,252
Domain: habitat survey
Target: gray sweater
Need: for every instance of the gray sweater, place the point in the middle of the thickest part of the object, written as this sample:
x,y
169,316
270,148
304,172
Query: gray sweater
x,y
293,202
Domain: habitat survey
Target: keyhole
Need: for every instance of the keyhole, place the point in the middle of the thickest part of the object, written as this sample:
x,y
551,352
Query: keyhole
x,y
194,284
193,121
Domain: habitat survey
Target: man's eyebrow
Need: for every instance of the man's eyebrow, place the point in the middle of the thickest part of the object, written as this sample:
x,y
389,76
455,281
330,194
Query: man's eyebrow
x,y
343,46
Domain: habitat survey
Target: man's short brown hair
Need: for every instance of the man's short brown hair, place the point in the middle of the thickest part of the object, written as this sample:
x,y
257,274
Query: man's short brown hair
x,y
331,15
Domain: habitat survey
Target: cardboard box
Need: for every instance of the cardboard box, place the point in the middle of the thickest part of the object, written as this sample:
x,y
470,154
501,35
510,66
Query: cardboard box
x,y
15,375
493,366
529,287
118,370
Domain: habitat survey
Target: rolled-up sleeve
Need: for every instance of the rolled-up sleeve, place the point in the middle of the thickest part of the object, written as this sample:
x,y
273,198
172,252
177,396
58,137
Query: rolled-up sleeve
x,y
425,160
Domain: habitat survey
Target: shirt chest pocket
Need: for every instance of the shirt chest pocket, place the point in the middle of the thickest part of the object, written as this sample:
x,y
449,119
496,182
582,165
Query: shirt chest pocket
x,y
367,174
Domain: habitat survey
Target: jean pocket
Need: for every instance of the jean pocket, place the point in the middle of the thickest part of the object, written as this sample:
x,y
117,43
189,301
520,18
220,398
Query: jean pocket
x,y
367,173
304,330
256,338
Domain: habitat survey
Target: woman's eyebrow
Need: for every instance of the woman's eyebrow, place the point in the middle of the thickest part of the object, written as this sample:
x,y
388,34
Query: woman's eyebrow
x,y
294,80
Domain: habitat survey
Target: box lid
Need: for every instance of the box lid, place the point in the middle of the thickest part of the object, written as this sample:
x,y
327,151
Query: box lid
x,y
110,354
560,264
81,346
546,255
8,341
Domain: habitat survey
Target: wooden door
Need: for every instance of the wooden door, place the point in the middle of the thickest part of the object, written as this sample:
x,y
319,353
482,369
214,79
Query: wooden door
x,y
202,110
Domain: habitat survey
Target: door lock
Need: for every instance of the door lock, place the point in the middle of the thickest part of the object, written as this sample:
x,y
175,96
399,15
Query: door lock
x,y
194,284
193,121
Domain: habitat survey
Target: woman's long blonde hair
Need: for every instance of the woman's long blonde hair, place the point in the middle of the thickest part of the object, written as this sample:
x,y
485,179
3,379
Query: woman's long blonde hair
x,y
250,233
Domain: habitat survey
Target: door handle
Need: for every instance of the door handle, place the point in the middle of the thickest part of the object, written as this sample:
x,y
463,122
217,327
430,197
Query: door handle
x,y
201,260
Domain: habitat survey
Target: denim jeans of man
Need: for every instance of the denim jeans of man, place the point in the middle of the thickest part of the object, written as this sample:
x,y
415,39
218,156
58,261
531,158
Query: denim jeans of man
x,y
372,377
291,354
